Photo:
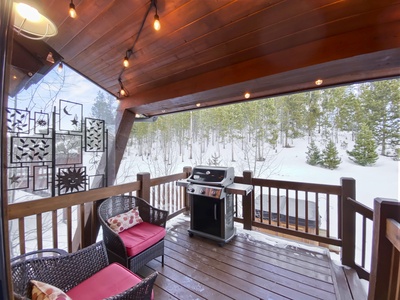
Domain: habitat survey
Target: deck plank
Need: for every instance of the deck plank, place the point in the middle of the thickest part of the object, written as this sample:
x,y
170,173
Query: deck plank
x,y
244,268
233,263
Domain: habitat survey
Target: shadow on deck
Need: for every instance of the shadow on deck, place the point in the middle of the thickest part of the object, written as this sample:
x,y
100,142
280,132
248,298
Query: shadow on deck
x,y
245,268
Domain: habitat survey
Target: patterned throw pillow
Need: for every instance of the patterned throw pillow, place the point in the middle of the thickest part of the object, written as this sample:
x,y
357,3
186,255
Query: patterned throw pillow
x,y
45,291
125,220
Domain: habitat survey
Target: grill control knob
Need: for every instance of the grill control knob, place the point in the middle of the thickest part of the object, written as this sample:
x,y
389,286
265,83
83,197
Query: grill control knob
x,y
202,191
191,190
213,192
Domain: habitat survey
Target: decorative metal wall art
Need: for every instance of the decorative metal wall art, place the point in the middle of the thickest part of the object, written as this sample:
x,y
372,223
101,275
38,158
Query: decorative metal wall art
x,y
53,158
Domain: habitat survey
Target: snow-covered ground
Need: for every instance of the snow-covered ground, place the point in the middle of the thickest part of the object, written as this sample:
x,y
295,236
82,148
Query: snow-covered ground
x,y
379,180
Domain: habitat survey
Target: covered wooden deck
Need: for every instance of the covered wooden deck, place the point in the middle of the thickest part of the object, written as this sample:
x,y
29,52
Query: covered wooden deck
x,y
245,268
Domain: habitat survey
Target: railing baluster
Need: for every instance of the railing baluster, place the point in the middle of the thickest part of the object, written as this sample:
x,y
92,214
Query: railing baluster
x,y
158,197
297,209
261,205
316,214
339,215
54,228
269,206
287,208
82,222
93,208
39,231
236,206
364,238
328,221
69,228
278,208
21,229
306,211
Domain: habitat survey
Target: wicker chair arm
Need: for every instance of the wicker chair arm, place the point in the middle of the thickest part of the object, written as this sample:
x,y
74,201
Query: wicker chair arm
x,y
39,253
152,214
141,291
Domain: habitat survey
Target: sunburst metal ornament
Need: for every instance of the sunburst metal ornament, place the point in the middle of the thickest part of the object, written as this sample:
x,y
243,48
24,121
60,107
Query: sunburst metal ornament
x,y
71,179
15,179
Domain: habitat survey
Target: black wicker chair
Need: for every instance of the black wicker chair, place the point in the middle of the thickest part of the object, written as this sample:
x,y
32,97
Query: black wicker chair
x,y
115,247
66,271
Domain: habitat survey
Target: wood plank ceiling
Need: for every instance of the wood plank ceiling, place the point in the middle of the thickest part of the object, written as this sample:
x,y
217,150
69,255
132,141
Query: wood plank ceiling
x,y
212,51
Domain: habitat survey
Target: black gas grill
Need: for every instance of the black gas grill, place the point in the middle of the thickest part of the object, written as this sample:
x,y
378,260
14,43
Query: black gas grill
x,y
211,202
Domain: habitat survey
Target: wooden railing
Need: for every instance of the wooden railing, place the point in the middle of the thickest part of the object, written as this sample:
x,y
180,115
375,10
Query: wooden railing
x,y
303,210
356,218
70,221
385,268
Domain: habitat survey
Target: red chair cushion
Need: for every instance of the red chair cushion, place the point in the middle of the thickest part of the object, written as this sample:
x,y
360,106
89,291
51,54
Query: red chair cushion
x,y
108,282
140,237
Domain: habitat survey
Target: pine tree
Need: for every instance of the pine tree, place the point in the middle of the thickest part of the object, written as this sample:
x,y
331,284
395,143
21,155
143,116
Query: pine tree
x,y
381,107
364,151
214,160
104,108
313,154
330,157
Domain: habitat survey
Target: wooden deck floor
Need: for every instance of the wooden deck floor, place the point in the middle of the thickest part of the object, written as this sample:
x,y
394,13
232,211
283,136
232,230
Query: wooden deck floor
x,y
244,268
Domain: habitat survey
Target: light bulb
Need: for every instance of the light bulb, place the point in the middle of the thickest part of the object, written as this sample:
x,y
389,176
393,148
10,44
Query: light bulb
x,y
72,11
319,81
28,12
60,67
126,62
122,92
157,24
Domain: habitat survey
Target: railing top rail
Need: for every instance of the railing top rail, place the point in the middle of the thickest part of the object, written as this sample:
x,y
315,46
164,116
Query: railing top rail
x,y
361,208
165,179
32,207
290,185
393,232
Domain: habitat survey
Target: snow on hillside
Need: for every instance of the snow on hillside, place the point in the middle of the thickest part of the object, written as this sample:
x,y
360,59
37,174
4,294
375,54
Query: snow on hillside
x,y
380,180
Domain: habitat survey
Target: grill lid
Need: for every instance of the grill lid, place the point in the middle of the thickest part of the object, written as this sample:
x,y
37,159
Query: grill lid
x,y
217,176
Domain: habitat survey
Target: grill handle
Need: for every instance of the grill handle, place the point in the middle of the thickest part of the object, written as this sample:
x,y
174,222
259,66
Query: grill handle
x,y
215,212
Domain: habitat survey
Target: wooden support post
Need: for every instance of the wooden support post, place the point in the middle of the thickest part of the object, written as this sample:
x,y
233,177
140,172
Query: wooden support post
x,y
248,207
382,248
144,191
348,221
118,146
5,74
188,171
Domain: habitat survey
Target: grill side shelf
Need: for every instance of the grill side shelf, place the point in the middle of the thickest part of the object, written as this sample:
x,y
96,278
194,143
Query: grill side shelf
x,y
183,182
239,189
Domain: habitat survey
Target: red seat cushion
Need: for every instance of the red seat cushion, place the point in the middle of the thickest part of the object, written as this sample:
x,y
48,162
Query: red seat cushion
x,y
140,237
108,282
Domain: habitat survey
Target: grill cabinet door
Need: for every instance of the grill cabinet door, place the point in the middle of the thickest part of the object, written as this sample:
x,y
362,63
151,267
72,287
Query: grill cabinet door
x,y
206,215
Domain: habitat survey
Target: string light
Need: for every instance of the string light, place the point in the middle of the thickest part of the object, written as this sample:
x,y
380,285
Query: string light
x,y
123,92
72,11
126,62
156,23
60,67
126,58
